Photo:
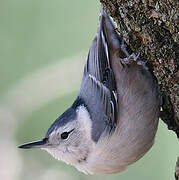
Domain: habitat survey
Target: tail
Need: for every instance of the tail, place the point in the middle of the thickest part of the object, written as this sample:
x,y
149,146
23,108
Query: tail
x,y
113,39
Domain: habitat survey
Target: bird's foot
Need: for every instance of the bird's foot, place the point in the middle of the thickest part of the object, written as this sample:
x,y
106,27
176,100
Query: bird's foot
x,y
130,58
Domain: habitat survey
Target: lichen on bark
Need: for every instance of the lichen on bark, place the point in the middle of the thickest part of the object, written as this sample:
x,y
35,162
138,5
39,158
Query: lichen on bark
x,y
151,27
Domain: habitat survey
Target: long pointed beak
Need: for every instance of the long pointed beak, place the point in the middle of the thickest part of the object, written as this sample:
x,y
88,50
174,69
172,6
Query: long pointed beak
x,y
36,144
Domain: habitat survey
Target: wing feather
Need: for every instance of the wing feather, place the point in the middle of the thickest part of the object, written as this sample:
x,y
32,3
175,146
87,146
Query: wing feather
x,y
98,88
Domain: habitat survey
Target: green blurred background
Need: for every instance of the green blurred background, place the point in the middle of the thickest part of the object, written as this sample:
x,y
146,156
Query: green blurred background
x,y
43,47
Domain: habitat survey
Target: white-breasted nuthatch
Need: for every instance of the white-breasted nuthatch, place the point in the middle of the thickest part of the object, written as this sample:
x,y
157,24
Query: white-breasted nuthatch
x,y
114,119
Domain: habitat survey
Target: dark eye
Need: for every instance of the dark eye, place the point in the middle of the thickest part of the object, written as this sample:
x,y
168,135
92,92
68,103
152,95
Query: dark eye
x,y
64,135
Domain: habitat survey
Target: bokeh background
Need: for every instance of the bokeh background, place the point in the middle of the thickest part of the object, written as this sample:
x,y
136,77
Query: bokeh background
x,y
43,47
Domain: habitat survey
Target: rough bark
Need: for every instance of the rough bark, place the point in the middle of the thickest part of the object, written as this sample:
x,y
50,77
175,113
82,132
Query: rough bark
x,y
151,27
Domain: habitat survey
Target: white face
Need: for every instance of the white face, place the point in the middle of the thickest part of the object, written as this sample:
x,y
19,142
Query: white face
x,y
72,143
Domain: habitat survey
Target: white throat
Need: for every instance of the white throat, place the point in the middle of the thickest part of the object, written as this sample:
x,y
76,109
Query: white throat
x,y
78,150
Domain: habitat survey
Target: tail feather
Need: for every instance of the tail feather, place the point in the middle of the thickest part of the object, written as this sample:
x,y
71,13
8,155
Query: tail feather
x,y
106,26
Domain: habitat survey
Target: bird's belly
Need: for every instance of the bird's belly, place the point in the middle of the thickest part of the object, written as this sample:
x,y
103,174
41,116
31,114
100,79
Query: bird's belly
x,y
128,144
114,159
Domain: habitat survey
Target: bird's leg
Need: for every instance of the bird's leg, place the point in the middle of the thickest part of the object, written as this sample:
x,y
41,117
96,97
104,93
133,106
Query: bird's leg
x,y
128,57
142,63
131,57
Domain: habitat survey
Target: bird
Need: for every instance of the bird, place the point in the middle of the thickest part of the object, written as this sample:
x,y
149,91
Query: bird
x,y
114,119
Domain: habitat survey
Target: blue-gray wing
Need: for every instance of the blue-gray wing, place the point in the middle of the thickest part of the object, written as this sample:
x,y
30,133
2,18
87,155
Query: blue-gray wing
x,y
98,88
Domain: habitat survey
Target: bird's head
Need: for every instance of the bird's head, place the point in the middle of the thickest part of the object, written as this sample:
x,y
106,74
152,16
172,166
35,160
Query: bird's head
x,y
69,137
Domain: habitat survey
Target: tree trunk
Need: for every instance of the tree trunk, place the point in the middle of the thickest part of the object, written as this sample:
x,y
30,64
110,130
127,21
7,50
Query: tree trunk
x,y
151,27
